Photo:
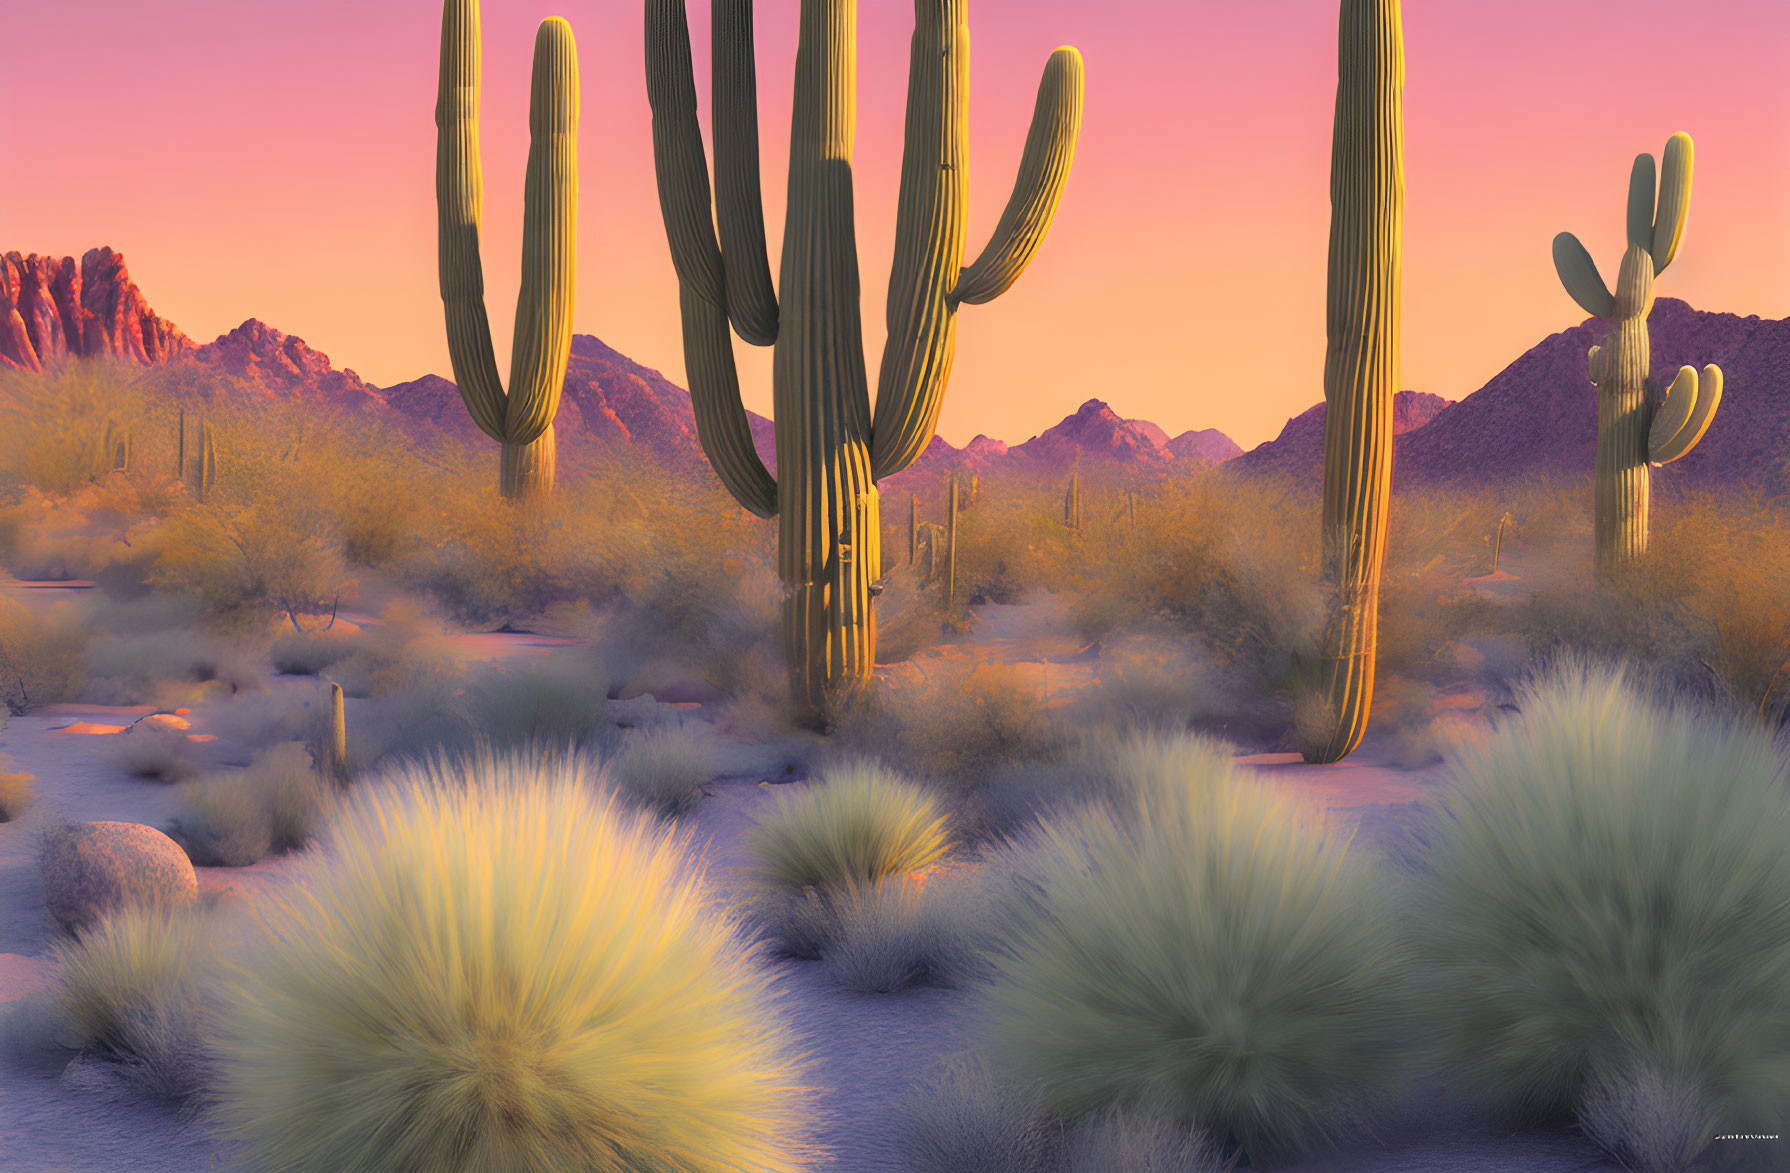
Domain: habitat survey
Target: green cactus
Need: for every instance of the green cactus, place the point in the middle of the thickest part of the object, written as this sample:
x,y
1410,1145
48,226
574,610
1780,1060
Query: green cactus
x,y
205,468
829,454
1636,426
1072,502
913,528
951,544
338,736
1367,198
180,448
521,420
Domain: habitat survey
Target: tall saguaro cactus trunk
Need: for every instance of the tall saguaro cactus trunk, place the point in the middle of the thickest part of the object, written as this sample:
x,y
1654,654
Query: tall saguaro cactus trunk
x,y
521,419
1635,429
1367,198
830,452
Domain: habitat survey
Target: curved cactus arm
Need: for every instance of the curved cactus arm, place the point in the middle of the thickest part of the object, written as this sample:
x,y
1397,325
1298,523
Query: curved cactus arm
x,y
1641,191
721,424
739,202
929,229
1598,364
459,191
1686,415
1043,170
542,347
678,159
1674,200
1578,273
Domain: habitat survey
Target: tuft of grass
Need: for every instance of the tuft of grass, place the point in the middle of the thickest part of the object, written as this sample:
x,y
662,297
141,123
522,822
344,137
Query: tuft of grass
x,y
1139,1144
16,795
152,750
556,700
965,1121
1609,891
311,653
902,931
426,975
665,766
232,820
1209,954
136,986
859,823
1647,1123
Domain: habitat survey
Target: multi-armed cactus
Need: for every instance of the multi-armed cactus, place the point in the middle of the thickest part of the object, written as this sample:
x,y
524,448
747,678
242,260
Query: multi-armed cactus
x,y
520,420
829,454
1635,429
1367,198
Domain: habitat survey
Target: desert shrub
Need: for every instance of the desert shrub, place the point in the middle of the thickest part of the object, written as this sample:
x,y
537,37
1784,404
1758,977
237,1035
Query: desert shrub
x,y
551,700
227,821
1138,1144
137,986
248,565
41,654
55,422
903,931
666,766
16,795
311,653
965,1121
1646,1123
1208,955
1608,891
299,797
407,648
860,822
426,976
151,749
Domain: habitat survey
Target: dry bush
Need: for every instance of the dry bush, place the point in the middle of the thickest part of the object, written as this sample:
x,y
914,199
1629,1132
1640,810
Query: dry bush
x,y
232,820
666,766
16,795
901,931
42,653
55,423
963,1120
150,749
312,653
408,648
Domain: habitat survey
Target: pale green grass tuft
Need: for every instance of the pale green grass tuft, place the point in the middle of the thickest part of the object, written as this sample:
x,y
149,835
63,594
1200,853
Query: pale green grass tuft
x,y
135,985
963,1120
1610,892
666,766
859,823
493,967
1647,1124
1208,955
901,932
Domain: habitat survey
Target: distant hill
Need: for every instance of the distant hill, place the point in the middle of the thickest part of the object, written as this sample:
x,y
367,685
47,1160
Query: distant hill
x,y
1299,449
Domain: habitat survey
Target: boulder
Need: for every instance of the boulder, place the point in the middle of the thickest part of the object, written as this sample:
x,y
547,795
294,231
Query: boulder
x,y
91,868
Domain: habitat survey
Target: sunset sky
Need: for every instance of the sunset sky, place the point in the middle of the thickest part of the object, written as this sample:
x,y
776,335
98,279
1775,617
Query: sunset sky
x,y
276,160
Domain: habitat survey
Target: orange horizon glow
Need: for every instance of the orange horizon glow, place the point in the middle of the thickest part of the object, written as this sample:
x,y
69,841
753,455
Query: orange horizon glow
x,y
277,162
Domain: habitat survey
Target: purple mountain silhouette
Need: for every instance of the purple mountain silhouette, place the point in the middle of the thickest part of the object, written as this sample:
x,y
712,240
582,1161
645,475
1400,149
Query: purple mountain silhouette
x,y
1299,449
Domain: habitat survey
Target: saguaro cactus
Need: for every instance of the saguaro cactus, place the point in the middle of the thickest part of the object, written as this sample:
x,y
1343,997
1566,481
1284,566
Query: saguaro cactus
x,y
829,454
1367,199
1072,502
951,543
338,736
205,468
1635,429
520,420
180,448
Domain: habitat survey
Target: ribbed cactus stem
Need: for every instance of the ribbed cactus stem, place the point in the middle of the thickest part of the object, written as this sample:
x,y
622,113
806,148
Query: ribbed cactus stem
x,y
913,528
522,417
1635,429
180,448
951,545
828,455
1367,195
338,736
205,467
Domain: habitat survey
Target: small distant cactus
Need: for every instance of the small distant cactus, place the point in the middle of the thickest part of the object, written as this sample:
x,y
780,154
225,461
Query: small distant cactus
x,y
913,528
116,446
951,544
1072,502
180,448
1637,426
205,468
338,736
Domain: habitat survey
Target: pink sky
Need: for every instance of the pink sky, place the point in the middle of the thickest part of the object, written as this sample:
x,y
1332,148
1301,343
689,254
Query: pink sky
x,y
276,160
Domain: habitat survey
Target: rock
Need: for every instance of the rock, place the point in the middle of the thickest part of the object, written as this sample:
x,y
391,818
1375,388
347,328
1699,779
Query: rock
x,y
91,868
52,308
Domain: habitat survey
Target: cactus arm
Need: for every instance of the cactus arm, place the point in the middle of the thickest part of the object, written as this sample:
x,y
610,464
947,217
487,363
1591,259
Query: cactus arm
x,y
1641,191
1598,366
739,202
1043,170
678,158
1686,415
542,346
683,178
929,229
459,192
1674,201
721,424
1578,273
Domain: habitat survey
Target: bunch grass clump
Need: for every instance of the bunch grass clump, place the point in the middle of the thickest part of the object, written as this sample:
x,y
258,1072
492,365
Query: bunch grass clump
x,y
137,987
150,749
424,1004
964,1120
556,700
1608,893
1205,954
666,766
233,820
16,795
859,823
903,931
1649,1125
